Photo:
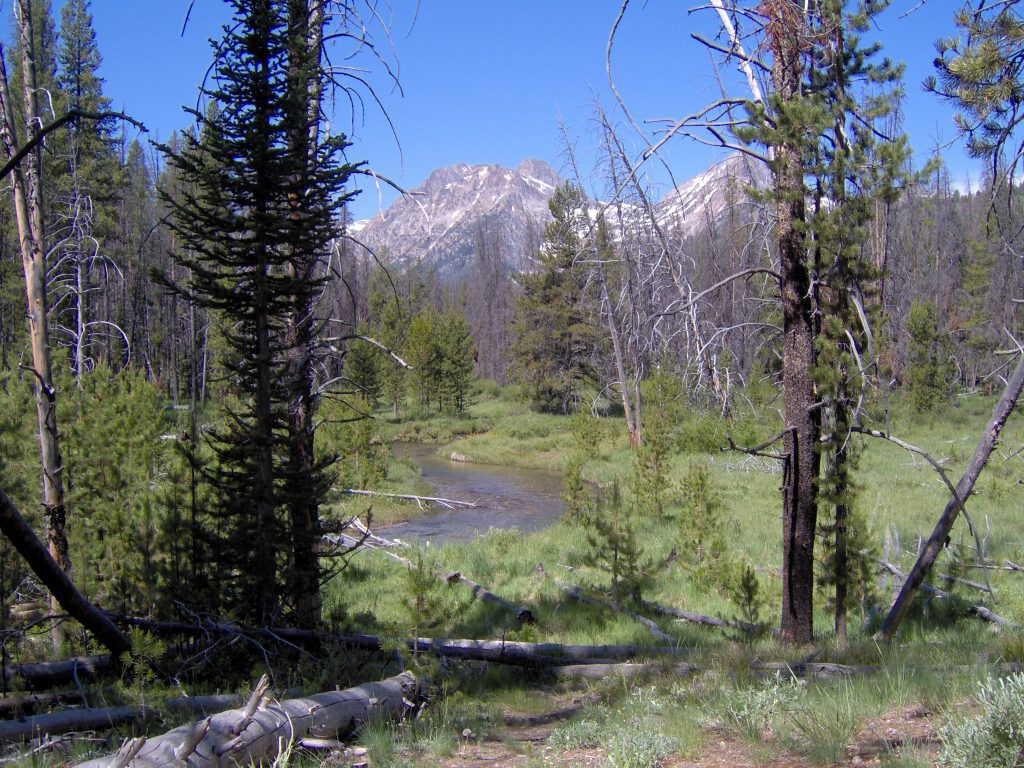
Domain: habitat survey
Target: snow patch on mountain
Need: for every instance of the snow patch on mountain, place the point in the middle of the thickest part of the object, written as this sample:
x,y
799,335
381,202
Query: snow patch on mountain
x,y
444,222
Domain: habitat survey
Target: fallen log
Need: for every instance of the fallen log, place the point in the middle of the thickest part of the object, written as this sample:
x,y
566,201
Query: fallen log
x,y
625,670
38,676
420,500
261,731
978,610
10,706
37,726
809,670
510,652
372,541
651,626
699,618
29,702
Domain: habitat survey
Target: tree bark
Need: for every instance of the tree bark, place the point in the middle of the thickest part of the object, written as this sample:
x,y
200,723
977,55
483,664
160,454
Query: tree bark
x,y
28,206
799,489
305,20
953,507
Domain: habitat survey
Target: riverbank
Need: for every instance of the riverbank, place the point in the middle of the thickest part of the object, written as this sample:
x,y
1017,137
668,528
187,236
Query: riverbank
x,y
918,683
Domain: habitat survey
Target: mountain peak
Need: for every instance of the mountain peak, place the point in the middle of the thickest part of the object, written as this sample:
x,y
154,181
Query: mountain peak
x,y
441,222
462,208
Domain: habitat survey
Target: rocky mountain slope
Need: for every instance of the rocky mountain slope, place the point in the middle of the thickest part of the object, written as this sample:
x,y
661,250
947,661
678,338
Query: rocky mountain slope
x,y
441,222
699,201
459,209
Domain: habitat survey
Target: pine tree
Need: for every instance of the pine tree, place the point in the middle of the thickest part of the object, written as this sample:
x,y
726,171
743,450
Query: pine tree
x,y
455,341
930,372
818,128
554,338
255,218
981,70
852,170
423,353
615,545
650,460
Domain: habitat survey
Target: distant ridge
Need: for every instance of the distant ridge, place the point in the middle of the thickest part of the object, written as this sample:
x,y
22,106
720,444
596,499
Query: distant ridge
x,y
443,223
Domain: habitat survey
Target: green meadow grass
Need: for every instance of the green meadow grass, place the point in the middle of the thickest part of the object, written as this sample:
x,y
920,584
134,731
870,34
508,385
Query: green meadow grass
x,y
935,661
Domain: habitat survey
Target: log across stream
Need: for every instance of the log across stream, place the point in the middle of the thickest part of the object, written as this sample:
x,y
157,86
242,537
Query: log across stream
x,y
507,497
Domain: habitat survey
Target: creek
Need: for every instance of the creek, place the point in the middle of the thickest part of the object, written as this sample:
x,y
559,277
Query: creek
x,y
506,497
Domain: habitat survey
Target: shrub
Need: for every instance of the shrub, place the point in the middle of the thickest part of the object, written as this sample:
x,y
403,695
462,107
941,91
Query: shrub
x,y
752,710
638,748
995,736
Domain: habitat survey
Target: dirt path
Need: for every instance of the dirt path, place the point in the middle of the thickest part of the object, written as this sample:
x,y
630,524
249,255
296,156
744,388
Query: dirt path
x,y
524,743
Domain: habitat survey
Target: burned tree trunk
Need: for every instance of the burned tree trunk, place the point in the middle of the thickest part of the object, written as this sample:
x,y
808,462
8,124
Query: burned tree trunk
x,y
799,490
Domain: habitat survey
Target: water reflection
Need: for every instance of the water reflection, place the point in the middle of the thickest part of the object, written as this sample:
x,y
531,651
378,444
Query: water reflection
x,y
506,497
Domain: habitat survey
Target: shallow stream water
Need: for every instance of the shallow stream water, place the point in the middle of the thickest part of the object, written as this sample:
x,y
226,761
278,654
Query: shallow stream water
x,y
506,497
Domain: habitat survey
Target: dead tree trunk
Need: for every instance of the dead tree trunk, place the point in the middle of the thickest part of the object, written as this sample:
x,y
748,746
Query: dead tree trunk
x,y
534,655
260,732
934,544
799,490
28,206
24,539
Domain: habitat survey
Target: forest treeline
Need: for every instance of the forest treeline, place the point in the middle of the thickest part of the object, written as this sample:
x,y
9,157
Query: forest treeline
x,y
160,376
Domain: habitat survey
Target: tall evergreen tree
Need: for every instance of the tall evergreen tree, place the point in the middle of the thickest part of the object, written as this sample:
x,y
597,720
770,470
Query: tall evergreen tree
x,y
260,209
555,339
817,126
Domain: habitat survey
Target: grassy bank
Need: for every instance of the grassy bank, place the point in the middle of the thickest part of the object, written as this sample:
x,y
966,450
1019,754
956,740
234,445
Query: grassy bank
x,y
933,667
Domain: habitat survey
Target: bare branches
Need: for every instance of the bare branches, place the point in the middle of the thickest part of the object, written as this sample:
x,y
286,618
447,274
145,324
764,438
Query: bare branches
x,y
758,450
963,489
72,116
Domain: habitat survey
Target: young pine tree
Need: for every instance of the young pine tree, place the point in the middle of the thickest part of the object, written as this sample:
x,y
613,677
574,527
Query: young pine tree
x,y
930,372
615,545
651,485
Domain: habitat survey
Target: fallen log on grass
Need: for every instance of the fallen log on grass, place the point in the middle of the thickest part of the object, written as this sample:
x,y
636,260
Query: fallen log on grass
x,y
808,670
38,676
262,731
537,655
71,720
978,610
651,626
372,541
626,670
709,621
29,702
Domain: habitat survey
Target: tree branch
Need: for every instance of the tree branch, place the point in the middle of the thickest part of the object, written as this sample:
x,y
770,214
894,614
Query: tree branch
x,y
71,116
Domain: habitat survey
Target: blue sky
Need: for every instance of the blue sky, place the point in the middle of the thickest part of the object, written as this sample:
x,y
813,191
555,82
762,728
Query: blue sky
x,y
488,81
